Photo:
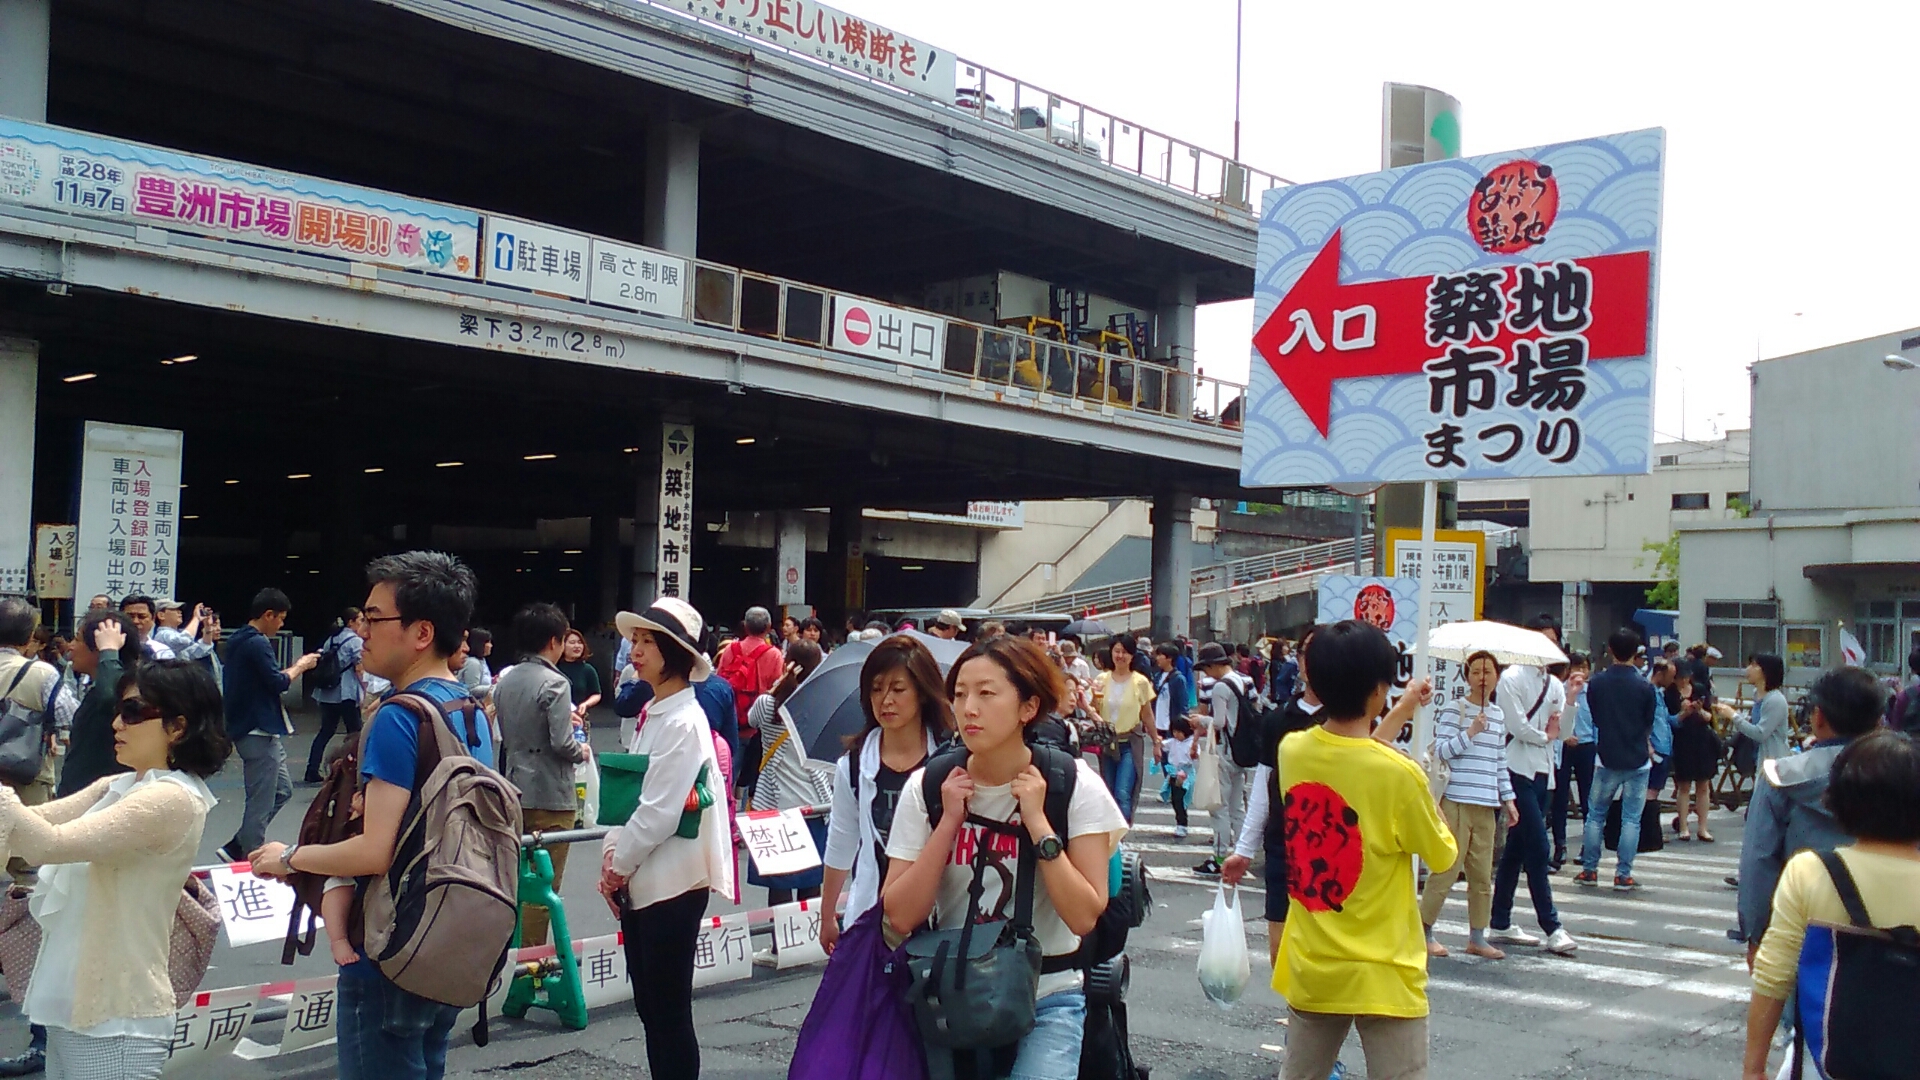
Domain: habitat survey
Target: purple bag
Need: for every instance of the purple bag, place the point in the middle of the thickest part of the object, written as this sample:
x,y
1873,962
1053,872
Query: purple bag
x,y
860,1027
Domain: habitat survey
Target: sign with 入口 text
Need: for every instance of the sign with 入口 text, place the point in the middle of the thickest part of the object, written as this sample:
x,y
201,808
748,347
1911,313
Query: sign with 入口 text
x,y
1475,318
778,841
53,168
887,333
128,537
836,38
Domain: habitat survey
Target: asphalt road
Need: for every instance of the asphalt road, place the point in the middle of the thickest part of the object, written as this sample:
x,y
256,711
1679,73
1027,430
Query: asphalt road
x,y
1656,990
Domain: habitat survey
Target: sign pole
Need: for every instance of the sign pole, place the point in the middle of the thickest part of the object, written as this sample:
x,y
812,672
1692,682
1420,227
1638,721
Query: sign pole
x,y
1423,717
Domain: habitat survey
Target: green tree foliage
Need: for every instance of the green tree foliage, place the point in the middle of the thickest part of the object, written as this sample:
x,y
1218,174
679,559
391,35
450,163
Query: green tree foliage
x,y
1665,594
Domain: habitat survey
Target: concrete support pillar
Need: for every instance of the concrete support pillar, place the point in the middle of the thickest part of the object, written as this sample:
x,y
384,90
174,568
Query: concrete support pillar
x,y
343,558
1172,590
1173,340
1397,506
605,540
646,516
19,405
672,218
25,38
844,592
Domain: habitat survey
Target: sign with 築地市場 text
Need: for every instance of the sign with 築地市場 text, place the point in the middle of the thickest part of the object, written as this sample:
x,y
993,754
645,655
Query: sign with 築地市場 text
x,y
1473,318
52,168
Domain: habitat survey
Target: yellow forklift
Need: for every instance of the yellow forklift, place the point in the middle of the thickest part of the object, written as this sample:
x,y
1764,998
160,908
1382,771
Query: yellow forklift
x,y
1030,355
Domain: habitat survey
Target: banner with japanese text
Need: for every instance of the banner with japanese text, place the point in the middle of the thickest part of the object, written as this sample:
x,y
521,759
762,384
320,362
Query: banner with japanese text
x,y
834,37
52,168
128,539
673,550
1475,318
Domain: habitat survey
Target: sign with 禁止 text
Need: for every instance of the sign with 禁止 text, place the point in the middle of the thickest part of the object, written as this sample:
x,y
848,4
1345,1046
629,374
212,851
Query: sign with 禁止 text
x,y
1474,318
53,168
128,539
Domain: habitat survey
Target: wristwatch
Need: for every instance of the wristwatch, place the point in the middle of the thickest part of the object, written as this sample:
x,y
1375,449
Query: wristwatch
x,y
286,857
1049,847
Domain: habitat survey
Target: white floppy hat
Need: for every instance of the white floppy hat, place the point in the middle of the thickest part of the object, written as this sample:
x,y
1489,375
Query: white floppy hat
x,y
677,620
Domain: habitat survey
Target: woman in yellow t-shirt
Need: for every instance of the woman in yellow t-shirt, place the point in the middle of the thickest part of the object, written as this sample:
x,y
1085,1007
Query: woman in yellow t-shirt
x,y
1875,796
1126,702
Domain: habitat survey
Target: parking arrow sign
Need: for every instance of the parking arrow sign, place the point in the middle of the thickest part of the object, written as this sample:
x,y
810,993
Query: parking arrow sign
x,y
503,251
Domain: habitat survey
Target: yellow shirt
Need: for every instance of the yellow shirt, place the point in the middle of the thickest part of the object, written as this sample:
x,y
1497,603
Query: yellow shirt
x,y
1122,701
1888,884
1356,813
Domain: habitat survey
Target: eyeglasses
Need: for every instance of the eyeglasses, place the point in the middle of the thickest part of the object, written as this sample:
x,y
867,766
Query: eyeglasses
x,y
134,711
371,619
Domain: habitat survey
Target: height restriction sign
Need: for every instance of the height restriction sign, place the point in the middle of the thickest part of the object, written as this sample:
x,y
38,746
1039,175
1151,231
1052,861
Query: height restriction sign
x,y
1474,318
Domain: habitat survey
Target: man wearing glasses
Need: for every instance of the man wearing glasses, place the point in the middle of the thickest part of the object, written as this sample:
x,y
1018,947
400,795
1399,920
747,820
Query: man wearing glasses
x,y
256,721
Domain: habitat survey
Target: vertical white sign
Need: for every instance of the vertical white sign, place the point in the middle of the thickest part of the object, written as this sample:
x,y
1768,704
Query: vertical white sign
x,y
724,950
790,550
1450,598
796,934
129,511
53,561
208,1028
19,395
603,971
673,557
311,1015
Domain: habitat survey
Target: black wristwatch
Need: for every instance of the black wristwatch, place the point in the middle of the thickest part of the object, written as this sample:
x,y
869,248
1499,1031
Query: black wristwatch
x,y
1049,847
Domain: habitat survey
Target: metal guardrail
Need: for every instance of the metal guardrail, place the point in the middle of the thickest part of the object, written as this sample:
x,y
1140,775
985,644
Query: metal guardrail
x,y
1125,595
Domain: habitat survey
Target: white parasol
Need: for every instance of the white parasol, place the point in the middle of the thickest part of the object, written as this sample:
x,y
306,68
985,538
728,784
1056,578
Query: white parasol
x,y
1508,644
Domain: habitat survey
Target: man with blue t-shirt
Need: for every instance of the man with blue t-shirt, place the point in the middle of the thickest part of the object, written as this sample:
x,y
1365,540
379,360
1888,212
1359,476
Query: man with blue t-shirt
x,y
416,614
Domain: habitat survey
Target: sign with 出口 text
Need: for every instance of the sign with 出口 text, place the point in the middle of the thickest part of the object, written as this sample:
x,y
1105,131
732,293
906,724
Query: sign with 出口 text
x,y
724,950
673,553
778,841
837,38
887,333
253,909
53,168
638,279
1466,319
535,257
128,538
796,934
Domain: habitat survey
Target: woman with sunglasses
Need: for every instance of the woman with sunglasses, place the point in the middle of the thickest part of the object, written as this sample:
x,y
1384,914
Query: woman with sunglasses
x,y
113,857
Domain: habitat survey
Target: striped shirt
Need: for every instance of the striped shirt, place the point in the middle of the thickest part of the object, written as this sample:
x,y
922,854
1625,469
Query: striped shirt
x,y
1478,764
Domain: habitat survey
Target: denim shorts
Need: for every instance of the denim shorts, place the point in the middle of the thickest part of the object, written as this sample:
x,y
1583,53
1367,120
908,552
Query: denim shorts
x,y
1051,1051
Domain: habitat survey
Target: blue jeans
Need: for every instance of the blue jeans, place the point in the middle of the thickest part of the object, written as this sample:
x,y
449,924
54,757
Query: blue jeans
x,y
387,1033
1051,1051
1631,786
1123,776
1526,846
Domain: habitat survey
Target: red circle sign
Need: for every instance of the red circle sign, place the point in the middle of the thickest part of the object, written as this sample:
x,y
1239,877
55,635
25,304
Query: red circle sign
x,y
793,575
856,326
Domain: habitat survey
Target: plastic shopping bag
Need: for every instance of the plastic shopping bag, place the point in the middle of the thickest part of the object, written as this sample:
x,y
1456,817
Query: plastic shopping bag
x,y
1225,964
586,782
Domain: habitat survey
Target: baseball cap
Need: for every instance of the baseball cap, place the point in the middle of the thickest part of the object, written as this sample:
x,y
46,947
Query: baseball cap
x,y
950,618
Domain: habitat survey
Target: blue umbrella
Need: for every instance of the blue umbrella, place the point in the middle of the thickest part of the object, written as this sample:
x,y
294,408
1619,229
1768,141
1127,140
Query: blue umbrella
x,y
826,707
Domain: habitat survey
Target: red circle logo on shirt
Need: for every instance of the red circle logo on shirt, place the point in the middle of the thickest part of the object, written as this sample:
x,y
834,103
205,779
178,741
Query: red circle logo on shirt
x,y
1324,850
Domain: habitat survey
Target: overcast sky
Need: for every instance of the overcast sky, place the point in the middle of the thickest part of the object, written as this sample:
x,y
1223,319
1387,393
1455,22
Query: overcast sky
x,y
1792,214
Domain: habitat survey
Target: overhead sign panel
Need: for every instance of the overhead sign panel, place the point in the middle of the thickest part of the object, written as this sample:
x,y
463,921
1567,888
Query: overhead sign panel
x,y
638,279
1478,318
52,168
834,37
536,257
887,333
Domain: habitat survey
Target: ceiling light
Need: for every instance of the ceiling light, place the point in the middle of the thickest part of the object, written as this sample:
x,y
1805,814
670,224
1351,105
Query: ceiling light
x,y
631,450
531,551
748,441
375,469
293,556
913,568
82,377
187,359
299,476
448,464
190,517
746,569
231,481
571,551
539,457
183,487
566,569
313,571
1893,360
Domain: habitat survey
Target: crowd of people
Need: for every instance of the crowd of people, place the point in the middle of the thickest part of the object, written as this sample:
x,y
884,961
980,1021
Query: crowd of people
x,y
1028,754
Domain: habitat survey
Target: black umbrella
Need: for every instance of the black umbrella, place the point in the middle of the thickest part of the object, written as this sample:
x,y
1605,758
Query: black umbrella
x,y
826,707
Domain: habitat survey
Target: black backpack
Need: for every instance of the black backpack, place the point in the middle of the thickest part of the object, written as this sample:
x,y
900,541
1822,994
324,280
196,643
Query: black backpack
x,y
1243,743
1848,976
327,672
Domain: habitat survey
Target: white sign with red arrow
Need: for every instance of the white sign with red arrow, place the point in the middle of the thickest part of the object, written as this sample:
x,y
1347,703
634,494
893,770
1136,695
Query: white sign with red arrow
x,y
1486,317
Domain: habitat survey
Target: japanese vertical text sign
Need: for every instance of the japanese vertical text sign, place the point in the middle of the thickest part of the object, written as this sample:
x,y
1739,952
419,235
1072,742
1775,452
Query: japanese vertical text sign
x,y
1475,318
673,558
52,168
128,540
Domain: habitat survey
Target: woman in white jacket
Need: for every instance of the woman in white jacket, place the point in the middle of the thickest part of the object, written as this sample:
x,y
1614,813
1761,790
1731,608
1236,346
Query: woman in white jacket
x,y
908,716
657,880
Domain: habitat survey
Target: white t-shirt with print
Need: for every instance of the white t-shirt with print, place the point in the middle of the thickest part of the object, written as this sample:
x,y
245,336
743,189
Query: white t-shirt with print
x,y
1091,811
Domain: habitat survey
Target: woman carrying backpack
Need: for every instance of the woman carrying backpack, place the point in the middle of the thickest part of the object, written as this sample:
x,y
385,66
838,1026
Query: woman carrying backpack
x,y
112,861
655,879
1874,794
999,688
908,717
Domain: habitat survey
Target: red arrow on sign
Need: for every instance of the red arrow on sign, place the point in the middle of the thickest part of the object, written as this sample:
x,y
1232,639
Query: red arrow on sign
x,y
1394,329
